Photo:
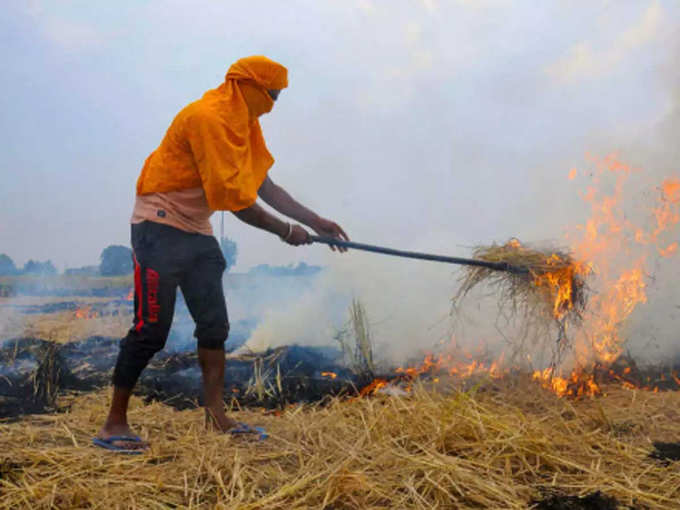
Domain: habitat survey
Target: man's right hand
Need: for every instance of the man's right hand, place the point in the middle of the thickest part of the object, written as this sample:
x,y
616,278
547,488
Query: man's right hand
x,y
258,217
297,237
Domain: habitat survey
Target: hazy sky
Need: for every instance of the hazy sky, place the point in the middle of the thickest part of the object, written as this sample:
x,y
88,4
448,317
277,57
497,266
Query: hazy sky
x,y
422,124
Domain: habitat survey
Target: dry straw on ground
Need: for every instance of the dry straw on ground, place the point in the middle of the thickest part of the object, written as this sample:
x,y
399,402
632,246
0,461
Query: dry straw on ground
x,y
494,447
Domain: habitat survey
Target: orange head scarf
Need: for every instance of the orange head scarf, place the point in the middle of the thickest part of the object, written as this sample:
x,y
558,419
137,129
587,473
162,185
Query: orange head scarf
x,y
254,77
226,153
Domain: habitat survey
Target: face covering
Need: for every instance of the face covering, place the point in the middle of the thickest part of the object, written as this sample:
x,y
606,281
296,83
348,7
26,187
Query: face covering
x,y
257,98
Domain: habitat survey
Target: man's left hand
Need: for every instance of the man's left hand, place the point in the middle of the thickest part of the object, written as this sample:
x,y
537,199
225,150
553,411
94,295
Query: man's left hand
x,y
328,228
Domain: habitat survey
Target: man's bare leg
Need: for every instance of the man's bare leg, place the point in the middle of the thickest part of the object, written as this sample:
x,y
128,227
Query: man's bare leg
x,y
116,422
212,365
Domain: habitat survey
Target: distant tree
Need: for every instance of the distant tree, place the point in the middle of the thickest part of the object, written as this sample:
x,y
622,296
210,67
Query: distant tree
x,y
115,260
229,250
82,271
35,267
7,266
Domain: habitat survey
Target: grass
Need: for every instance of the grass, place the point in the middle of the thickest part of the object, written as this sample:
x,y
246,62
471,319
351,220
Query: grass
x,y
492,447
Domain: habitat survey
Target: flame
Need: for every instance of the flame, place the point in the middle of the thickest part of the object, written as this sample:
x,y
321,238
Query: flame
x,y
668,250
608,238
373,388
449,364
610,245
131,295
332,375
559,283
86,312
616,249
578,384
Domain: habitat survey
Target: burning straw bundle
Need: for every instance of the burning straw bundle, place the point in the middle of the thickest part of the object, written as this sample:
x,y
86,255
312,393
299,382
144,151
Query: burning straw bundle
x,y
541,287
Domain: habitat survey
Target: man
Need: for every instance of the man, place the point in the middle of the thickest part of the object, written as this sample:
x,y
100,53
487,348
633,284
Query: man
x,y
213,157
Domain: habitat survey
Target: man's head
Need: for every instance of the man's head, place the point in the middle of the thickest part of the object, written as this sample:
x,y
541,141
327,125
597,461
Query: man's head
x,y
260,81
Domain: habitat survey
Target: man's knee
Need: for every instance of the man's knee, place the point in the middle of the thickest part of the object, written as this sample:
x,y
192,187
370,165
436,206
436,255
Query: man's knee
x,y
212,336
135,352
146,342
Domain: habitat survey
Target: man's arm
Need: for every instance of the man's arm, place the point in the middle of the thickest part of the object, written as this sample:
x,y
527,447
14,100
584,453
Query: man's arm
x,y
280,199
258,217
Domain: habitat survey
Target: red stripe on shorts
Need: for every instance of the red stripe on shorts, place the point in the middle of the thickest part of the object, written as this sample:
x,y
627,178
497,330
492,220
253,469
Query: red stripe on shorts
x,y
138,294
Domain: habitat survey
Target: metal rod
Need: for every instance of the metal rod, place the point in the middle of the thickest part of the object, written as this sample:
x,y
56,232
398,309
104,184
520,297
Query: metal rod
x,y
498,266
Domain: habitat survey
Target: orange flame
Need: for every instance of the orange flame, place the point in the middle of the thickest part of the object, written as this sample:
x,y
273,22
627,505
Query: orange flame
x,y
373,388
86,312
332,375
578,384
616,249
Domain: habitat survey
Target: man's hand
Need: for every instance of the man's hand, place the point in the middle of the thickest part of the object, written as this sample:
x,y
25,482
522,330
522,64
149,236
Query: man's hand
x,y
328,228
297,236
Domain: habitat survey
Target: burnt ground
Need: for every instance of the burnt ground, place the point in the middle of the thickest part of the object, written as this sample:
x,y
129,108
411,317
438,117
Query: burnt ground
x,y
35,372
665,452
556,500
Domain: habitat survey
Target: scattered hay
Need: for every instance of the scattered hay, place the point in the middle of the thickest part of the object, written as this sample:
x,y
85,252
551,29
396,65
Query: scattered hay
x,y
542,288
487,448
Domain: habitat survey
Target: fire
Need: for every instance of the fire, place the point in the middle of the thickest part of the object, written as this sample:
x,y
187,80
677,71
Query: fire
x,y
614,246
332,375
578,384
617,250
373,388
131,295
559,283
86,312
448,364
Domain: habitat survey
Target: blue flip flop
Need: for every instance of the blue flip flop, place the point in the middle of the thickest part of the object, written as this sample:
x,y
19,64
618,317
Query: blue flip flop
x,y
108,444
244,428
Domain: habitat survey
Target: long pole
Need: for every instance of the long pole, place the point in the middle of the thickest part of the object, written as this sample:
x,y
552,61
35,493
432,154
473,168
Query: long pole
x,y
498,266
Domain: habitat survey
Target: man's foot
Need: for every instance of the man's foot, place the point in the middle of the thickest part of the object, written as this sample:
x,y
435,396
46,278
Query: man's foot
x,y
217,420
109,431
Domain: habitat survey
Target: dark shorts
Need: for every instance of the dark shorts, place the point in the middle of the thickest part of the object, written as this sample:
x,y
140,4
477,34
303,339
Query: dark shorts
x,y
166,258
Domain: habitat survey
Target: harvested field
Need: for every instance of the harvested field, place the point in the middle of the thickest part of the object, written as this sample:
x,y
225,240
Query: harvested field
x,y
70,321
509,446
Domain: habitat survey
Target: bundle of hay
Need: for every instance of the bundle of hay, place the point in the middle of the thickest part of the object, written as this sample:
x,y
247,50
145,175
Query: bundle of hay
x,y
545,287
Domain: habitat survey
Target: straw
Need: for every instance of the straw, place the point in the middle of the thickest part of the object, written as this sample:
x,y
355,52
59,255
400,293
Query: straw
x,y
552,294
492,447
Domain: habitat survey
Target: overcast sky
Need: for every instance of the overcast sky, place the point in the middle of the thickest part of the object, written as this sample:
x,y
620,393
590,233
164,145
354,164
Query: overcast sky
x,y
421,124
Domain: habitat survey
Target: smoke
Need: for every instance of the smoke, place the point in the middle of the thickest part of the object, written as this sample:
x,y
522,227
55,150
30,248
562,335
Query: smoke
x,y
407,301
